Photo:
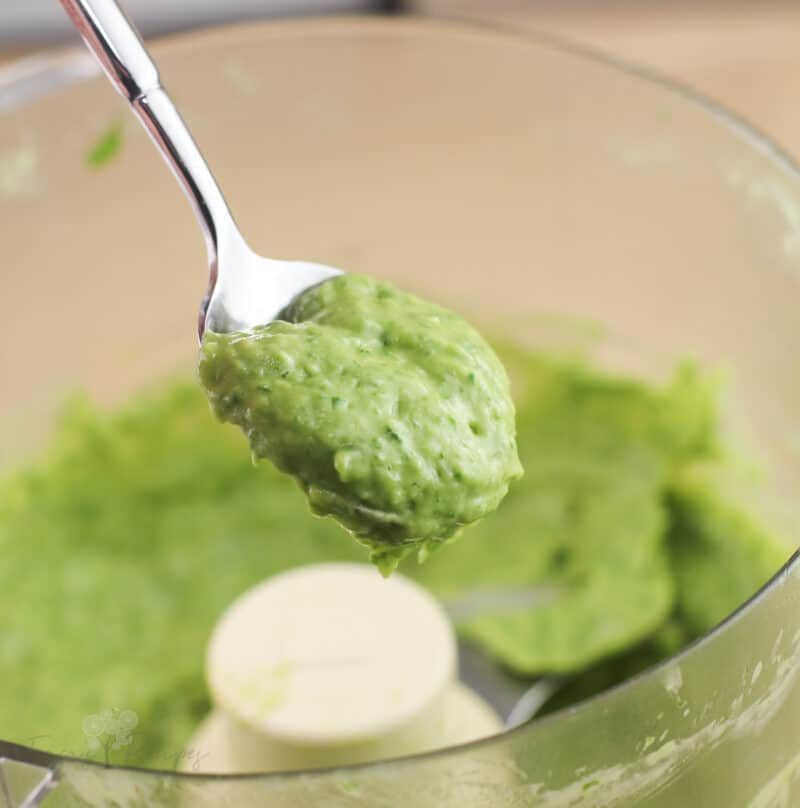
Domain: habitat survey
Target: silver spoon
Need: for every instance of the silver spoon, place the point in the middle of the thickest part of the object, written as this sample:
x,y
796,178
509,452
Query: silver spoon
x,y
245,289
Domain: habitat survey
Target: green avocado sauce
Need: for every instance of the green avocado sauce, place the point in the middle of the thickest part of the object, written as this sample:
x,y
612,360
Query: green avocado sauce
x,y
392,413
124,543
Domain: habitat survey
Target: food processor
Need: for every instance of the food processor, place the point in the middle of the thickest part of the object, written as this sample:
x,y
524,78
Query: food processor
x,y
556,198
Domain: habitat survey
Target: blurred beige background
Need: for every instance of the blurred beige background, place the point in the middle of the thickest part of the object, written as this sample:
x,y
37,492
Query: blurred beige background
x,y
744,53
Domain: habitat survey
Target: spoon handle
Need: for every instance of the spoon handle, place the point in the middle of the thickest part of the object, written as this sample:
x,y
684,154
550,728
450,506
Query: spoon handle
x,y
115,42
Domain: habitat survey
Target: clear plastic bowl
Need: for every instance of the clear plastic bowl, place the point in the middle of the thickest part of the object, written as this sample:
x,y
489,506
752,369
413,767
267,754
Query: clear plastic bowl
x,y
521,181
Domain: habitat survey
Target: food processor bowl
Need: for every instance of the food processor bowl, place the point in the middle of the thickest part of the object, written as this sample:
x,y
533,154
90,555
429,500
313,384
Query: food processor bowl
x,y
532,186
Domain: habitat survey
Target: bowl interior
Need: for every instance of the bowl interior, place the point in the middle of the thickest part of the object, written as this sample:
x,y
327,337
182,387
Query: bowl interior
x,y
554,198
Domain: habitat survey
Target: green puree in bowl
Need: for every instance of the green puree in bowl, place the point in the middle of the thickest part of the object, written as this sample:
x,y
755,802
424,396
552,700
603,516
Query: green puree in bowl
x,y
393,414
121,547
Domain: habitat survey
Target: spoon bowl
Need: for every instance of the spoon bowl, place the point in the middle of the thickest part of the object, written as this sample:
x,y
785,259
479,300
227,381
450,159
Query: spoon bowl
x,y
247,289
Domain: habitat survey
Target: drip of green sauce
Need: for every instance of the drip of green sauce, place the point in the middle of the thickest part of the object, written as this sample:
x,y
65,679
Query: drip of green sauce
x,y
107,146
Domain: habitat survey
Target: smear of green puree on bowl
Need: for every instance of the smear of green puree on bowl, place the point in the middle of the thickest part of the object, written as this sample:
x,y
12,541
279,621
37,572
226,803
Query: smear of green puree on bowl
x,y
393,414
123,545
586,527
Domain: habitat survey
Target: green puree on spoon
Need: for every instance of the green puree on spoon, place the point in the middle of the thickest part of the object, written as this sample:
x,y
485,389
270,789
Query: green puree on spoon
x,y
393,414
